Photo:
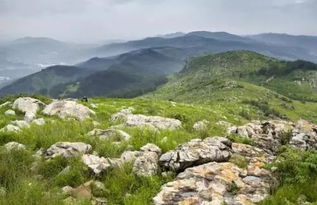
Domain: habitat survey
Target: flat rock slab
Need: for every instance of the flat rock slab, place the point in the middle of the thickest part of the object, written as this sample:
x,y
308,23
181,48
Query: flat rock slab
x,y
196,152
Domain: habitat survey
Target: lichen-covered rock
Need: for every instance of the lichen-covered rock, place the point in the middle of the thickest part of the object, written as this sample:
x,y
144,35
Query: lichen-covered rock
x,y
110,134
138,120
201,125
29,106
14,146
214,183
15,126
21,123
67,149
68,108
197,151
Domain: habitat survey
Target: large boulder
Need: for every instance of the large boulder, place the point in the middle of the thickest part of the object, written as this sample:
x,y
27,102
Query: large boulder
x,y
67,149
68,108
214,183
138,120
197,151
29,106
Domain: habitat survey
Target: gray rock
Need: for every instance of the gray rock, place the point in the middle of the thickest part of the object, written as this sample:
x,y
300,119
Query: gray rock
x,y
67,108
112,134
10,128
14,146
213,183
67,149
39,121
9,112
141,121
29,106
21,123
197,152
99,164
201,125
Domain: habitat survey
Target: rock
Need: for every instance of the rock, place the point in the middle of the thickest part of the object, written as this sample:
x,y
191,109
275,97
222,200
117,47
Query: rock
x,y
130,156
14,146
39,121
9,112
141,121
96,123
67,149
266,134
21,123
29,106
201,125
99,164
304,135
151,148
67,190
10,128
197,152
112,134
3,192
147,163
67,108
214,183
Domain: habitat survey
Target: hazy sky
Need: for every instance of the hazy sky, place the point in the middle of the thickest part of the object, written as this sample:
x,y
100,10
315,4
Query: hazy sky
x,y
97,20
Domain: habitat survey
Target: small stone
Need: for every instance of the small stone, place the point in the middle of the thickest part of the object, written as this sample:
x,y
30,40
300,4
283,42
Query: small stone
x,y
9,112
39,121
14,146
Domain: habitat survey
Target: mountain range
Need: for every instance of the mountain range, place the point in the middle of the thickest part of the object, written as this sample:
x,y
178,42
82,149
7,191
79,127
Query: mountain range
x,y
138,66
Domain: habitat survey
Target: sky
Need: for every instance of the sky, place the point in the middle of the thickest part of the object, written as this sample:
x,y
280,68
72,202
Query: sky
x,y
88,21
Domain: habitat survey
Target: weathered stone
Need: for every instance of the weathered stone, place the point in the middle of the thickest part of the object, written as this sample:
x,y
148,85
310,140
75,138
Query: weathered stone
x,y
153,122
197,152
99,164
201,125
147,163
29,106
214,183
67,149
9,112
67,108
130,156
224,123
266,134
304,135
14,146
111,134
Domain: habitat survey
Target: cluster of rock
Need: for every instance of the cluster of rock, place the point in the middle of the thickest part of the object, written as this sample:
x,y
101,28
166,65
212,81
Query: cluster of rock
x,y
270,135
145,161
137,120
30,107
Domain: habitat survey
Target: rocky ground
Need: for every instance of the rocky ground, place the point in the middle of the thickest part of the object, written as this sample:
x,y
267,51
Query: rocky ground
x,y
208,170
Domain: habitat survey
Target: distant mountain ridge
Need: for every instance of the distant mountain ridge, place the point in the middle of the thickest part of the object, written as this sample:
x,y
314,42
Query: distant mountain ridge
x,y
154,56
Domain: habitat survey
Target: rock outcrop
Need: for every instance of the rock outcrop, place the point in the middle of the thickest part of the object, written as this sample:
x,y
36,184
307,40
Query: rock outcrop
x,y
67,108
67,149
196,152
99,164
138,120
304,135
29,106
